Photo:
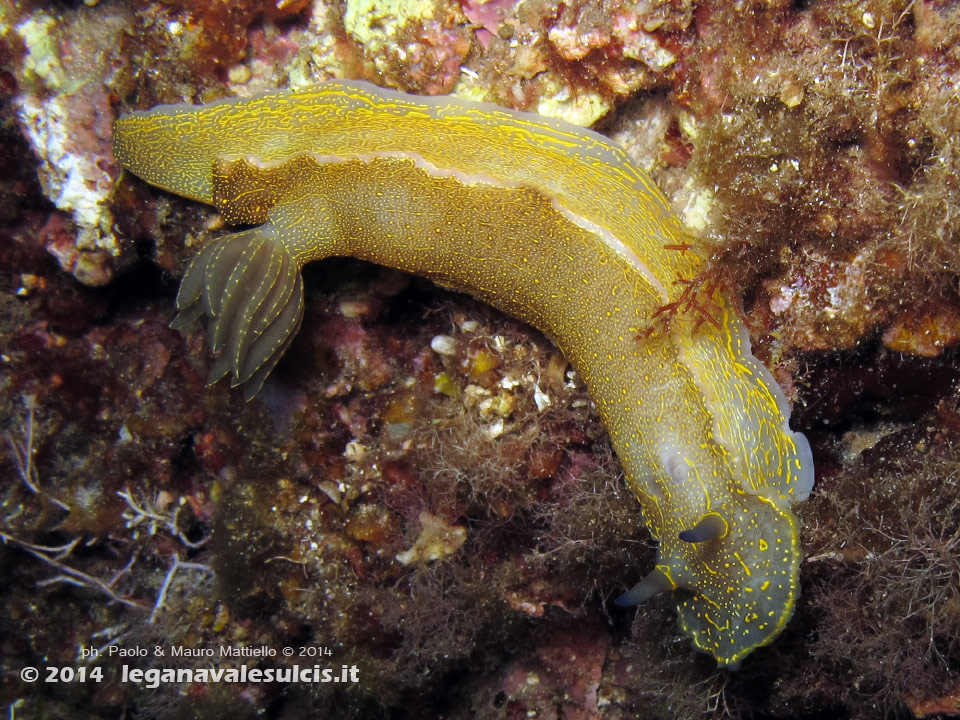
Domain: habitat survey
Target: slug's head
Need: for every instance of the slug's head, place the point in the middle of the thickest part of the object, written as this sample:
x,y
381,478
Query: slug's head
x,y
735,570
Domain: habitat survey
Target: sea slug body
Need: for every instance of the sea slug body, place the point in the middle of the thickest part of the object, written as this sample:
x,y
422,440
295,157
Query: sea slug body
x,y
548,222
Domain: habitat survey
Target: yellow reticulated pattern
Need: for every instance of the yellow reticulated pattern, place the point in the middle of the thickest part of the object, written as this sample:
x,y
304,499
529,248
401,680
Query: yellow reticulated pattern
x,y
547,221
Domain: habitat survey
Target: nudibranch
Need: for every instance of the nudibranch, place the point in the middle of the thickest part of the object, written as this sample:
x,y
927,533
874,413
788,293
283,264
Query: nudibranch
x,y
548,222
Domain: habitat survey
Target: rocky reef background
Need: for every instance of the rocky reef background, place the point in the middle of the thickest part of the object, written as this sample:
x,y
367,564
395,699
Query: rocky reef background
x,y
423,489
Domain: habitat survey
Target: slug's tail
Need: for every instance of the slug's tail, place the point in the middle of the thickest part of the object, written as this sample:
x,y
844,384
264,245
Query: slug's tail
x,y
250,291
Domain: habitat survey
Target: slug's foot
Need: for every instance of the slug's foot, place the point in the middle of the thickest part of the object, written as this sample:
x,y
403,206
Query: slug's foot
x,y
250,291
